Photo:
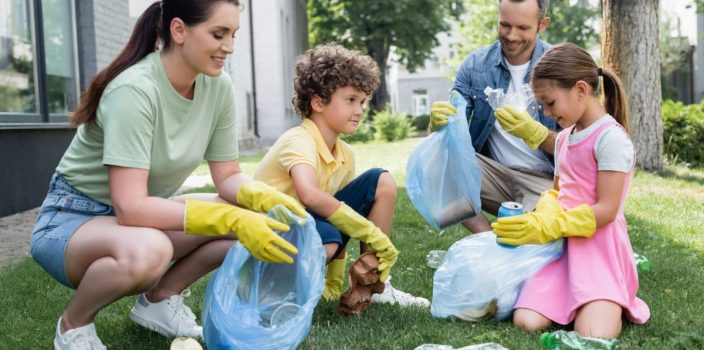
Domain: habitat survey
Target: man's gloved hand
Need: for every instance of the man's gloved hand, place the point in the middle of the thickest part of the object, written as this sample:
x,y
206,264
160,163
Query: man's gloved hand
x,y
439,112
254,230
548,203
521,125
261,197
334,278
540,228
356,226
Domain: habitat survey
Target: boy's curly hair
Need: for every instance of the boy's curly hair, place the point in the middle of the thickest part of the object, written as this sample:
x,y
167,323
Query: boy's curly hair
x,y
324,69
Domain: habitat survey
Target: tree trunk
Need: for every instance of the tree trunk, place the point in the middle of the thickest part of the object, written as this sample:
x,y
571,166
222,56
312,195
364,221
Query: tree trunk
x,y
379,51
630,47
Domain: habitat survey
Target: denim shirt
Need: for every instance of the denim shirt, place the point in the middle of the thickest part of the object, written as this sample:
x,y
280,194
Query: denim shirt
x,y
486,67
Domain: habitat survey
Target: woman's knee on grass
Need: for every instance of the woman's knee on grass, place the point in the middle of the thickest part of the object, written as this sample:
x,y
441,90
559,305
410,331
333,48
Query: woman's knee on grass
x,y
386,186
144,262
530,320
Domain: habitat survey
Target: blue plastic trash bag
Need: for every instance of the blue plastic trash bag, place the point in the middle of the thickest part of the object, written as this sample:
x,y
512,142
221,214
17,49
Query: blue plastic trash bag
x,y
250,304
480,280
443,177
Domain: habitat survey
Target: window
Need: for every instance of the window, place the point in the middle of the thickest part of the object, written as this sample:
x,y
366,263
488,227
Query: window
x,y
419,104
38,61
16,59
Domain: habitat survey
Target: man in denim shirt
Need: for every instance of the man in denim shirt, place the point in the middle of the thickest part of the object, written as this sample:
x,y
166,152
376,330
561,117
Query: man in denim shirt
x,y
514,151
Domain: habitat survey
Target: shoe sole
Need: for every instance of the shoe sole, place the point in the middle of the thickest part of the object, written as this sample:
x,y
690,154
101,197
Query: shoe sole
x,y
157,327
151,325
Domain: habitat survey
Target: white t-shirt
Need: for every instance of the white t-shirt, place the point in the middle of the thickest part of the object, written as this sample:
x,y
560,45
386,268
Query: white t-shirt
x,y
510,150
613,148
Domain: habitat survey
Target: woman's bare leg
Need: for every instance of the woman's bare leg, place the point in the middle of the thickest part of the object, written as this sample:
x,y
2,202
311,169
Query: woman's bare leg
x,y
107,261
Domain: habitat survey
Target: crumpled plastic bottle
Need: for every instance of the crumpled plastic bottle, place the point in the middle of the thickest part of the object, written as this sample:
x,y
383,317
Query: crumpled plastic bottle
x,y
563,340
435,258
642,263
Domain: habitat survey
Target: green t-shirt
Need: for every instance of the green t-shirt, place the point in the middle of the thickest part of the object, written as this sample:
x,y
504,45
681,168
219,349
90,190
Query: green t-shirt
x,y
142,122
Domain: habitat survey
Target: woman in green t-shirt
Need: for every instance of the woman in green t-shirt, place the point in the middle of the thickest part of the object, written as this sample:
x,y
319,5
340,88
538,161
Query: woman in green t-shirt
x,y
108,226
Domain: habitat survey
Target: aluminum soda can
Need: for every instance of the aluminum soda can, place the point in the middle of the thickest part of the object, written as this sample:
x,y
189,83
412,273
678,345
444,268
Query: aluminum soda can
x,y
510,209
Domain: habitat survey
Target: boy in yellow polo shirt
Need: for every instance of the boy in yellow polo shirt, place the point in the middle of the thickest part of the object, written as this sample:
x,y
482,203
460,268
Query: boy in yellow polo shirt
x,y
310,163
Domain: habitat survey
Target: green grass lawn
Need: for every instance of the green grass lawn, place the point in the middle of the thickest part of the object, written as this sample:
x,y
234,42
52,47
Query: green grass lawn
x,y
665,213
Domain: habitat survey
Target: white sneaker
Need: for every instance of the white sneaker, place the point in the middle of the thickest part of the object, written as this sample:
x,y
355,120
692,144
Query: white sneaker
x,y
170,317
78,338
393,296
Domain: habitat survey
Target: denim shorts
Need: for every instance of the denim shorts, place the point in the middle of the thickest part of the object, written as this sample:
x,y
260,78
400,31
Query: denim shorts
x,y
359,195
63,211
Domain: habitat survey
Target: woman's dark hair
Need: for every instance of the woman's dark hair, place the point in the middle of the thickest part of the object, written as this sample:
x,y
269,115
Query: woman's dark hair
x,y
151,29
566,64
324,69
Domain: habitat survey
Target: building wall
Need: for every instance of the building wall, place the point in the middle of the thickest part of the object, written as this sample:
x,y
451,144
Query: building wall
x,y
28,158
239,67
432,77
103,27
437,90
280,30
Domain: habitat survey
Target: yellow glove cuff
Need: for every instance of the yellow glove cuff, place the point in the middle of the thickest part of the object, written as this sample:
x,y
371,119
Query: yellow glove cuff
x,y
205,218
540,135
334,279
581,222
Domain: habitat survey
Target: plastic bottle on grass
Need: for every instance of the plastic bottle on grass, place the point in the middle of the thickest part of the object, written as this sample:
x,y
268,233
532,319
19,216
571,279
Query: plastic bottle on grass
x,y
435,258
563,340
642,263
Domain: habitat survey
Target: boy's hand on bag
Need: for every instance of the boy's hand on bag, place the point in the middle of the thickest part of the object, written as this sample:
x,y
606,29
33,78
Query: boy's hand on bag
x,y
439,112
254,230
521,125
261,197
540,228
356,226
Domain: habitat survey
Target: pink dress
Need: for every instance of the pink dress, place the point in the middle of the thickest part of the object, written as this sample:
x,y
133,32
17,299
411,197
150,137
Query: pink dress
x,y
596,268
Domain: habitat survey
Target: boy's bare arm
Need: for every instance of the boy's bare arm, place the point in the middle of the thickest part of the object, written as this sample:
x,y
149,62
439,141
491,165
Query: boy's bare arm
x,y
309,193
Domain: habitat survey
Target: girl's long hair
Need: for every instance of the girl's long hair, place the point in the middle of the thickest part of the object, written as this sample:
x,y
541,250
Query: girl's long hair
x,y
566,64
151,29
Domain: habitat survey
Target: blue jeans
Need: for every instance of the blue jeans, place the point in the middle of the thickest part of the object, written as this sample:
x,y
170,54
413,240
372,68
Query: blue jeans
x,y
63,211
359,195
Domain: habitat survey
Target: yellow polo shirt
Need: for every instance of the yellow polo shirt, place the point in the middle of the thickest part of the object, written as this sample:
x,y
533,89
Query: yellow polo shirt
x,y
303,144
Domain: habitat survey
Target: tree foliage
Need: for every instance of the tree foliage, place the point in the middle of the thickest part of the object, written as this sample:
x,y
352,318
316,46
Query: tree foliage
x,y
374,27
572,23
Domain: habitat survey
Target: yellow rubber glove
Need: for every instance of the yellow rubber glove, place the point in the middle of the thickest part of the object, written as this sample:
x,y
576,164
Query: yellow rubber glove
x,y
254,230
334,278
439,112
548,203
261,197
521,125
540,228
356,226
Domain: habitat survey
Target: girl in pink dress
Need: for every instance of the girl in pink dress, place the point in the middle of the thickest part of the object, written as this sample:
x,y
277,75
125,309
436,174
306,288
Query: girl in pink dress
x,y
595,282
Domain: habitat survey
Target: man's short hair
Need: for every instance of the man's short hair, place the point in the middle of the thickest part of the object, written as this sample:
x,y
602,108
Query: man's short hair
x,y
542,7
326,68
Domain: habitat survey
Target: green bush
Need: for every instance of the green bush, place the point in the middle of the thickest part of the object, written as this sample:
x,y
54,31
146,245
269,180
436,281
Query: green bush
x,y
420,123
391,127
364,133
683,132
